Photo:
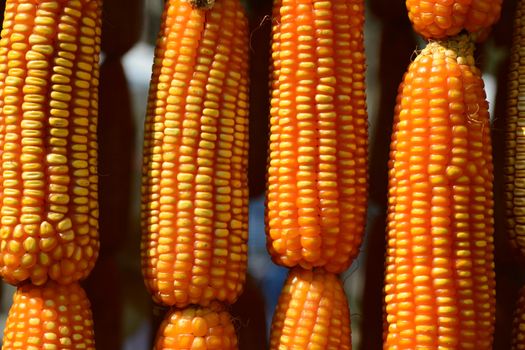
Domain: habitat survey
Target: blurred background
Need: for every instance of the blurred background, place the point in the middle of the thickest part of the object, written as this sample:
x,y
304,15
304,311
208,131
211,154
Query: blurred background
x,y
125,317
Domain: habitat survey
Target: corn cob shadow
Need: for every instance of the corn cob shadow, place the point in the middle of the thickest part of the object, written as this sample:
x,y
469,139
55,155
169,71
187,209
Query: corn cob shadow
x,y
510,262
438,20
260,28
194,189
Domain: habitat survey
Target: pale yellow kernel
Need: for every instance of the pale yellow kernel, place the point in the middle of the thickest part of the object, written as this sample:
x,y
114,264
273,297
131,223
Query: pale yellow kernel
x,y
44,259
65,341
64,224
28,260
13,246
68,235
47,243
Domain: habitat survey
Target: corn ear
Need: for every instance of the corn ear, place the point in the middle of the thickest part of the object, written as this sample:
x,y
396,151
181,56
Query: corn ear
x,y
194,183
49,53
440,282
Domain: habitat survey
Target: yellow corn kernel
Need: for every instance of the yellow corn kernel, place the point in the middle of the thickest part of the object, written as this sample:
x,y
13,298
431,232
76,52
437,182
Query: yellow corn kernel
x,y
197,328
435,19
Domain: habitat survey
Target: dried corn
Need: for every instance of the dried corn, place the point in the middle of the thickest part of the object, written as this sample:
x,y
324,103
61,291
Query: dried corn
x,y
50,317
440,287
515,137
317,176
49,52
194,185
312,313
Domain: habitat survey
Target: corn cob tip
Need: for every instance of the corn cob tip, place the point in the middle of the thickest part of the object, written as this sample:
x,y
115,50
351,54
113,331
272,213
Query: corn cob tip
x,y
51,316
312,313
459,48
197,327
437,19
202,4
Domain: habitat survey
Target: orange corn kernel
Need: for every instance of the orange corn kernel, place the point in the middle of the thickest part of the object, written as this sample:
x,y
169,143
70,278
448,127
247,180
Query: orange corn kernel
x,y
49,54
437,19
194,184
51,317
197,328
317,174
440,282
312,313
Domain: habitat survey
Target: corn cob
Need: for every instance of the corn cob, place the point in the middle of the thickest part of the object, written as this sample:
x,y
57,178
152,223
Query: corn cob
x,y
518,331
440,287
50,317
197,328
312,313
194,184
515,138
514,168
437,19
49,52
317,178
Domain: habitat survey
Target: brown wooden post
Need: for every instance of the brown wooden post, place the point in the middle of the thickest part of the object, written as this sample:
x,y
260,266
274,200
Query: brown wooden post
x,y
122,25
